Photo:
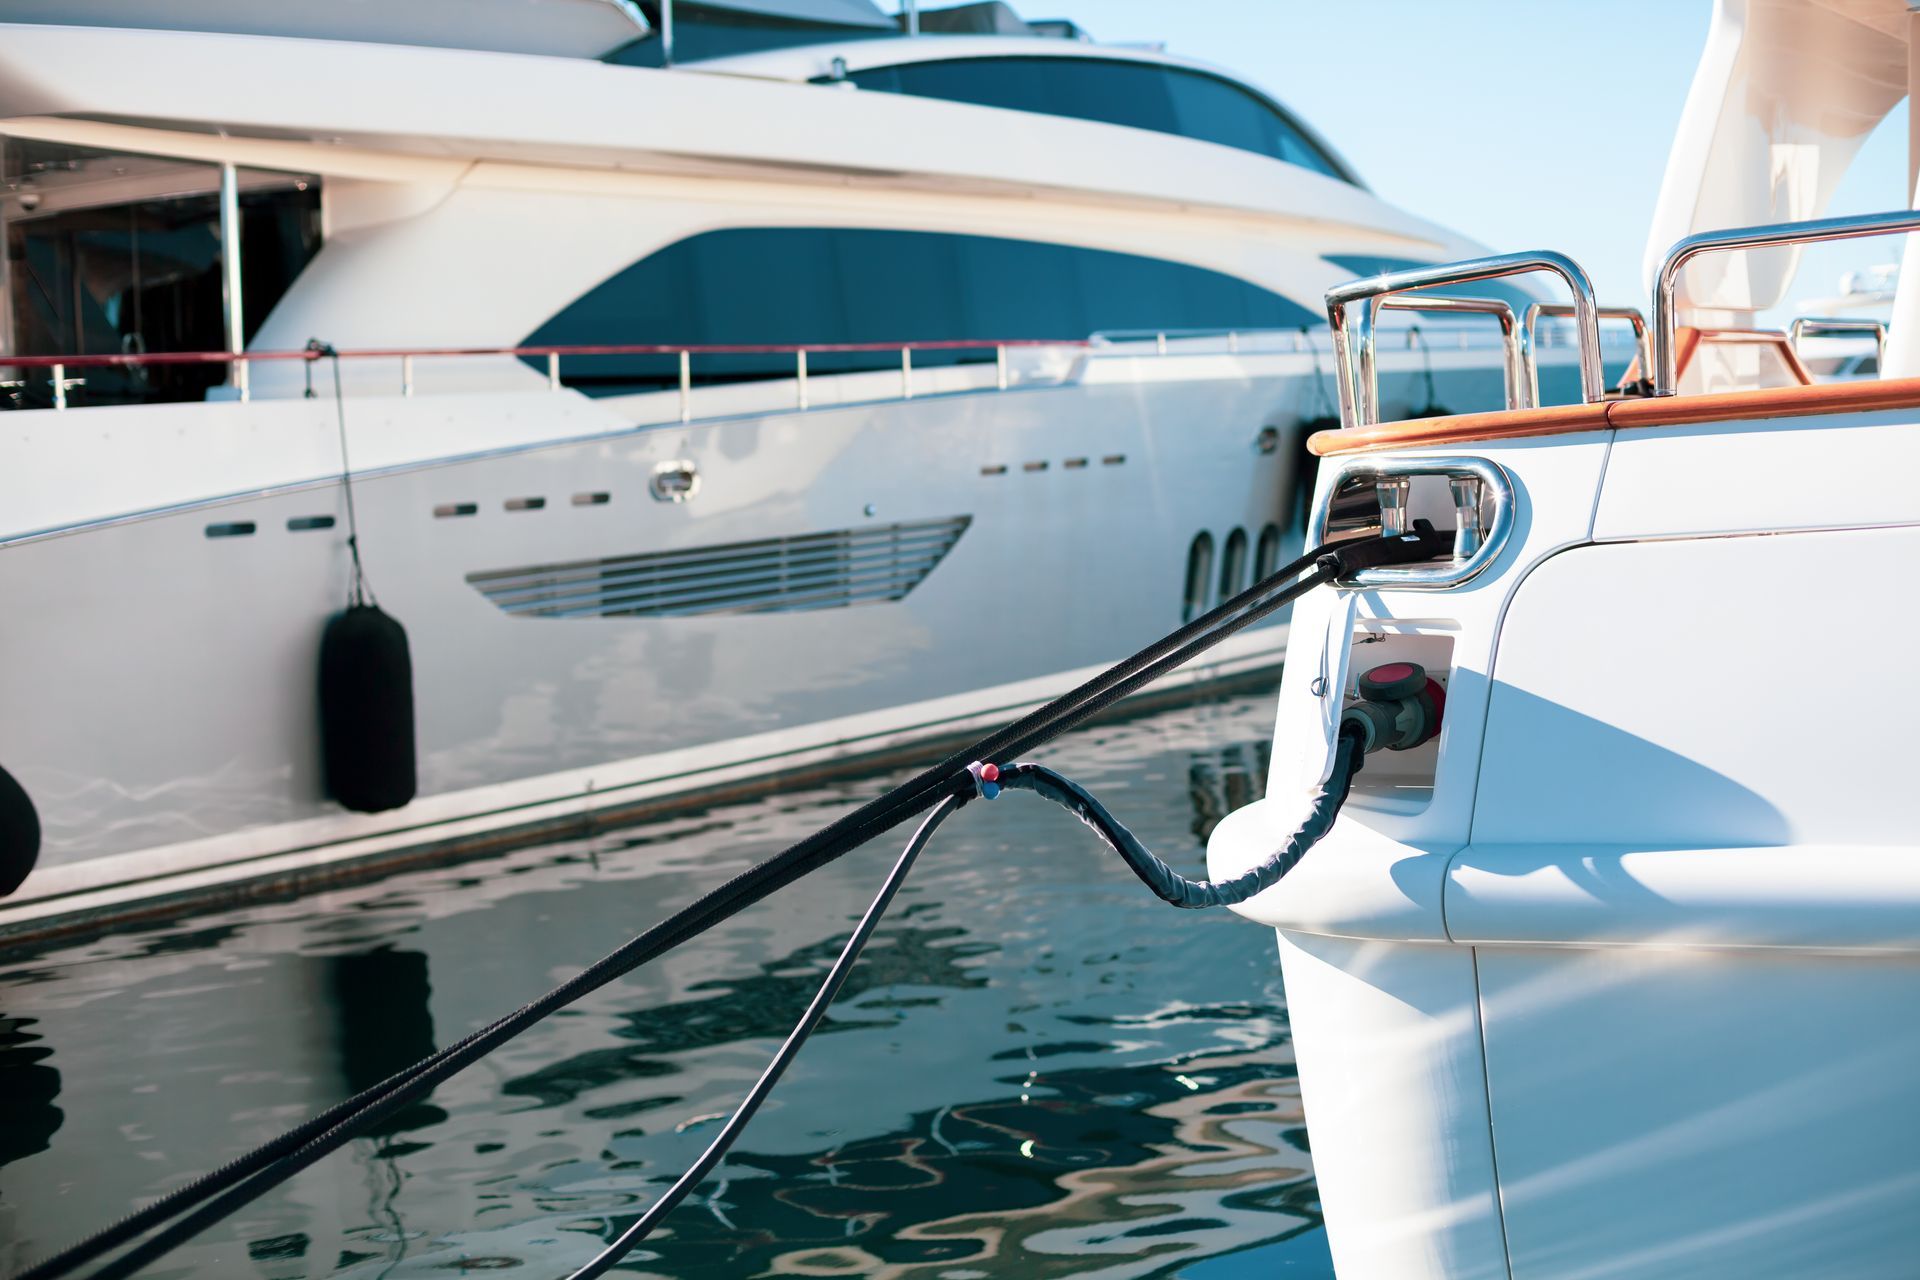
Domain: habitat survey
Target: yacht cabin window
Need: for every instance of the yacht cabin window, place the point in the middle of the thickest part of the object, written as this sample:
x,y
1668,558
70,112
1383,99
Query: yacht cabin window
x,y
1145,95
110,253
794,285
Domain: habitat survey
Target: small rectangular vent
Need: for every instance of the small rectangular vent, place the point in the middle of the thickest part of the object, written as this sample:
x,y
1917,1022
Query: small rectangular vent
x,y
833,570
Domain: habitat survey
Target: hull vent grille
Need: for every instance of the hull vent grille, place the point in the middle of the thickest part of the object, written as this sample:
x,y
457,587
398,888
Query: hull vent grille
x,y
833,570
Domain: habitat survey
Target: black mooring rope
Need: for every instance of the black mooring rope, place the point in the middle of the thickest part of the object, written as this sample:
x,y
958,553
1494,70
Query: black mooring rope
x,y
244,1179
716,1151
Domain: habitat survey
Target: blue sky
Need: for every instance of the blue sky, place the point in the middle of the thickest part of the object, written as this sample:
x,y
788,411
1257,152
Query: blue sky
x,y
1527,124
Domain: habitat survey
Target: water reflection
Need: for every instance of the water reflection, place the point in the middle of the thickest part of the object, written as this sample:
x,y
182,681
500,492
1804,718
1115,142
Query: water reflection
x,y
1218,782
1037,1070
383,1025
28,1087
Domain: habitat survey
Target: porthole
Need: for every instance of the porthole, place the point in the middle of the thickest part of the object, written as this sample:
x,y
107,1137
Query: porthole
x,y
1233,565
1266,553
1199,575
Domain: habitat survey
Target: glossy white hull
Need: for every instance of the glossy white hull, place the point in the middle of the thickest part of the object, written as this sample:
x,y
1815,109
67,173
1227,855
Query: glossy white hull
x,y
162,709
1634,992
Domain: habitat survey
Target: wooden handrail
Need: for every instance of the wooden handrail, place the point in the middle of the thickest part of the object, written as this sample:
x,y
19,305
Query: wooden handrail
x,y
1662,411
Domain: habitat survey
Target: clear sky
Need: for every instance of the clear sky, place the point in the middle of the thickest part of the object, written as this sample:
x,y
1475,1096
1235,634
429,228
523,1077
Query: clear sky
x,y
1526,124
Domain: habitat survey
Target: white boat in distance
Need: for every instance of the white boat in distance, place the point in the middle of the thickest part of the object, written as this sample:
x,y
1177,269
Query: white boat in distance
x,y
647,376
1616,977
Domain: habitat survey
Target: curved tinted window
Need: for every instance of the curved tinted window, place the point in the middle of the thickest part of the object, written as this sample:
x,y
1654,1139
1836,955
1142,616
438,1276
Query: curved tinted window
x,y
1144,95
1199,575
1266,556
792,285
1233,565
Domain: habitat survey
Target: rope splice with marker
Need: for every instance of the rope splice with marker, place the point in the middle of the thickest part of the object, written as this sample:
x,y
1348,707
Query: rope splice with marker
x,y
155,1230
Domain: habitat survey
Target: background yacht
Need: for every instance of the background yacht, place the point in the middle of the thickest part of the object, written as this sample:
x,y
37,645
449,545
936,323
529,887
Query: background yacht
x,y
1030,331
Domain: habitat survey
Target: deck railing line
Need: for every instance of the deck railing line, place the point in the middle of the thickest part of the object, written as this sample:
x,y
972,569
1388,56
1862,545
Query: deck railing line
x,y
685,351
116,359
59,366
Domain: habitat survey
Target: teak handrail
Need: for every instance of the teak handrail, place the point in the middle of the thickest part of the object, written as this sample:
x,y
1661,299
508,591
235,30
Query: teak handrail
x,y
1659,411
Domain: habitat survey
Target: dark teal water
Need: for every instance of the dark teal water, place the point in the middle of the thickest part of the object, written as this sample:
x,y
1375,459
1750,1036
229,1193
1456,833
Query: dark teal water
x,y
1037,1070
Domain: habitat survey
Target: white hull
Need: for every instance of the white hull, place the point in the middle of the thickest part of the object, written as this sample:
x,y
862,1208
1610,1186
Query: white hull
x,y
1631,991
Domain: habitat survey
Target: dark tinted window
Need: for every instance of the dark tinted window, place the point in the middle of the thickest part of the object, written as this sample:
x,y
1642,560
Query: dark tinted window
x,y
703,31
1144,95
793,285
1266,556
1233,565
1199,575
144,277
1362,264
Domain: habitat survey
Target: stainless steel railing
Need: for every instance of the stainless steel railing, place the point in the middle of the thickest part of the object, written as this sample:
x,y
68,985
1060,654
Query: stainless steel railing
x,y
1351,311
57,366
1522,392
1561,311
1803,326
1666,285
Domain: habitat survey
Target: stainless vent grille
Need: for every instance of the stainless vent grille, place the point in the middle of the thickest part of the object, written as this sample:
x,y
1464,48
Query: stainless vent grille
x,y
831,570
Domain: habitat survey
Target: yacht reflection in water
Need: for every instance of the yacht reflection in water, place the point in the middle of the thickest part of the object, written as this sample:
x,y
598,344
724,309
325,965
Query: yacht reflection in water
x,y
1009,1083
28,1086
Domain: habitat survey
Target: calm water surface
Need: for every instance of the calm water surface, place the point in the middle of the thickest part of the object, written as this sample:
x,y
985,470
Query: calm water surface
x,y
1037,1070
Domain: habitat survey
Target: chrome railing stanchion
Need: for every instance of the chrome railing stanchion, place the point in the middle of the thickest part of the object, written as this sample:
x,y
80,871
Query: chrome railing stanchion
x,y
1512,339
1160,344
1560,310
1000,366
906,373
686,385
1667,284
1831,325
406,376
800,376
1351,307
553,370
1344,380
59,386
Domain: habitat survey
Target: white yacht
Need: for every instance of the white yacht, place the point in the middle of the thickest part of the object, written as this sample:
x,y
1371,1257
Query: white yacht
x,y
1617,975
661,339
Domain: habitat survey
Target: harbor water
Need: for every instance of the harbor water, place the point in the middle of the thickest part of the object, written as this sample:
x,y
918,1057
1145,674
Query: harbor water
x,y
1037,1070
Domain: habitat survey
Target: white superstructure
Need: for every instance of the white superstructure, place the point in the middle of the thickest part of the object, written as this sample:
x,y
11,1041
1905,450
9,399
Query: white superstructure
x,y
1045,361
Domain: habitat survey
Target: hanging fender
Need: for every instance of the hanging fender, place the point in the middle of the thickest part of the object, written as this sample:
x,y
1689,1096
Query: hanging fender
x,y
19,834
366,710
